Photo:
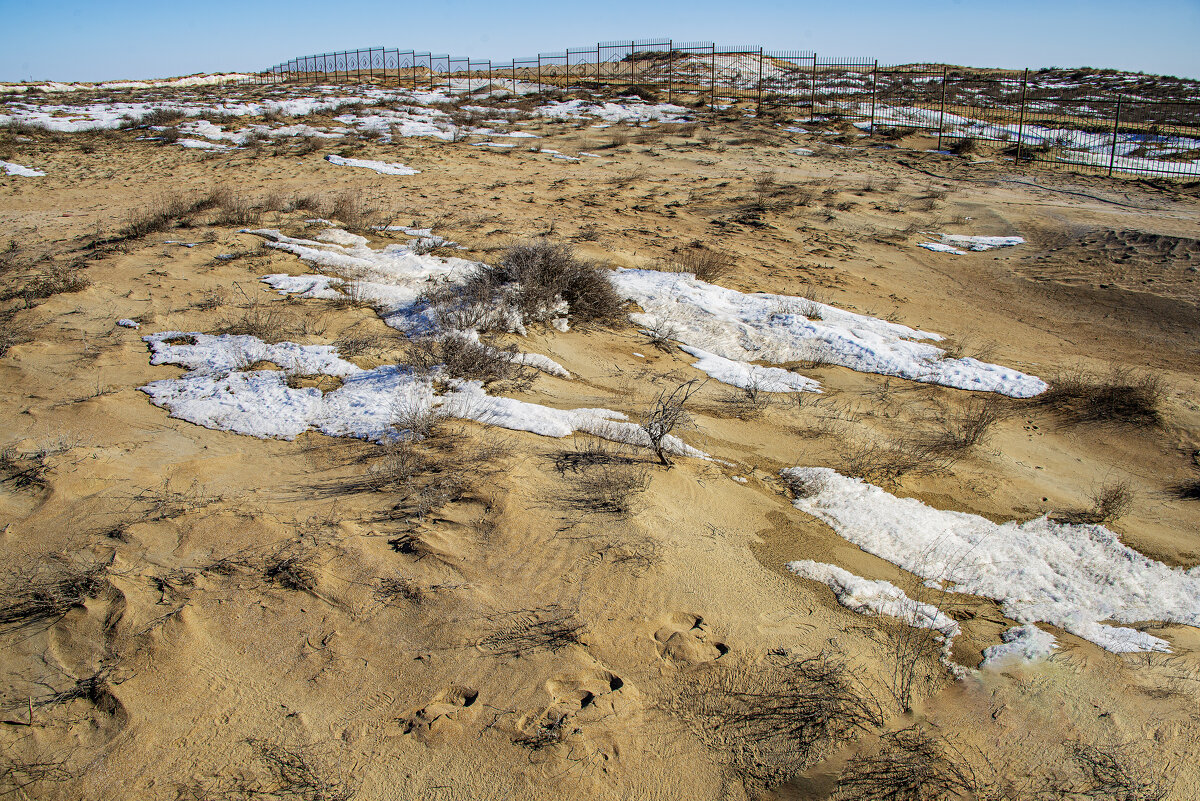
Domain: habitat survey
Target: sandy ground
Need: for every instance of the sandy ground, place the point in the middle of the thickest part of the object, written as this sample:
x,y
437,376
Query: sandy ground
x,y
263,624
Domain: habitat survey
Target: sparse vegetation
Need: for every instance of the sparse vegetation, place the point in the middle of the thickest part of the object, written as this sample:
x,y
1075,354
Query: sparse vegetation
x,y
665,414
33,595
1122,397
602,477
462,356
545,281
777,716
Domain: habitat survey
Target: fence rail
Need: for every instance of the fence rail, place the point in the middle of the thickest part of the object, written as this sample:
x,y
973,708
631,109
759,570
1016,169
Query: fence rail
x,y
1041,117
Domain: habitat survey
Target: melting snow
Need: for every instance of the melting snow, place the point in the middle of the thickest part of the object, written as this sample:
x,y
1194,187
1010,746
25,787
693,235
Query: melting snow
x,y
1024,644
1075,577
16,169
781,328
220,392
381,167
869,597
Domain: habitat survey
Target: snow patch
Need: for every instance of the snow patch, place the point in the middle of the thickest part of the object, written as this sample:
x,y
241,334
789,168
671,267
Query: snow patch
x,y
1076,577
381,167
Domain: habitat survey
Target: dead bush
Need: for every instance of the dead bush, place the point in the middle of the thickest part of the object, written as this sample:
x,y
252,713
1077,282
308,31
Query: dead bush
x,y
776,717
666,413
885,463
462,356
748,402
157,117
1109,501
661,333
1121,397
166,211
1121,772
265,319
965,429
12,331
602,477
237,209
53,280
909,764
706,264
353,210
36,594
296,772
545,281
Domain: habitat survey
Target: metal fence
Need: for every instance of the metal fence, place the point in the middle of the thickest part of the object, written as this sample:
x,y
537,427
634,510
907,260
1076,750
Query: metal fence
x,y
1040,117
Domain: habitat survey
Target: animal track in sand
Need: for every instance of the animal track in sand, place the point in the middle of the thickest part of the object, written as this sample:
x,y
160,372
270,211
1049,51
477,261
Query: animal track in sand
x,y
444,713
684,638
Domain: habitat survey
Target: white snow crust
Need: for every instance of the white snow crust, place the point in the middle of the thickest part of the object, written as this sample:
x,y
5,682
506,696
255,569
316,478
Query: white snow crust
x,y
1076,577
781,328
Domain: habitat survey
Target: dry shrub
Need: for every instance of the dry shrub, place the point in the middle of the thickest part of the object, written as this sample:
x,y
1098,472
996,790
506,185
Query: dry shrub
x,y
266,320
1122,772
964,146
53,280
12,331
706,264
292,566
661,333
426,471
964,430
602,476
463,356
354,211
296,772
33,594
909,764
166,211
159,116
537,277
236,209
1121,397
1109,501
666,413
748,402
777,717
885,463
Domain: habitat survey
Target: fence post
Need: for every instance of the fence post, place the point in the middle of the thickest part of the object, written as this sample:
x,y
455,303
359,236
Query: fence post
x,y
514,72
813,100
1112,156
598,82
712,83
449,72
540,73
1021,115
758,110
670,71
874,90
942,112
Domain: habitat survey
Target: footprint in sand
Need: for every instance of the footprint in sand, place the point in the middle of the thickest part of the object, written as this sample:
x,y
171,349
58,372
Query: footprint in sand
x,y
443,715
684,638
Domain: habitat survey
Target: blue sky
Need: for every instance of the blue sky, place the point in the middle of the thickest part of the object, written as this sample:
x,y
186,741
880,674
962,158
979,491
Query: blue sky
x,y
130,39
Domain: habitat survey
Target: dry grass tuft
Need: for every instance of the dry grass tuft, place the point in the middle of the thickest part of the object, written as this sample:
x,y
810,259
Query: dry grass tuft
x,y
1122,397
909,764
776,717
30,594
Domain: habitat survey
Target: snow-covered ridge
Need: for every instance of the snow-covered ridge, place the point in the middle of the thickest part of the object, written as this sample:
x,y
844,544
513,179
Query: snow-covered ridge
x,y
781,328
1076,577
